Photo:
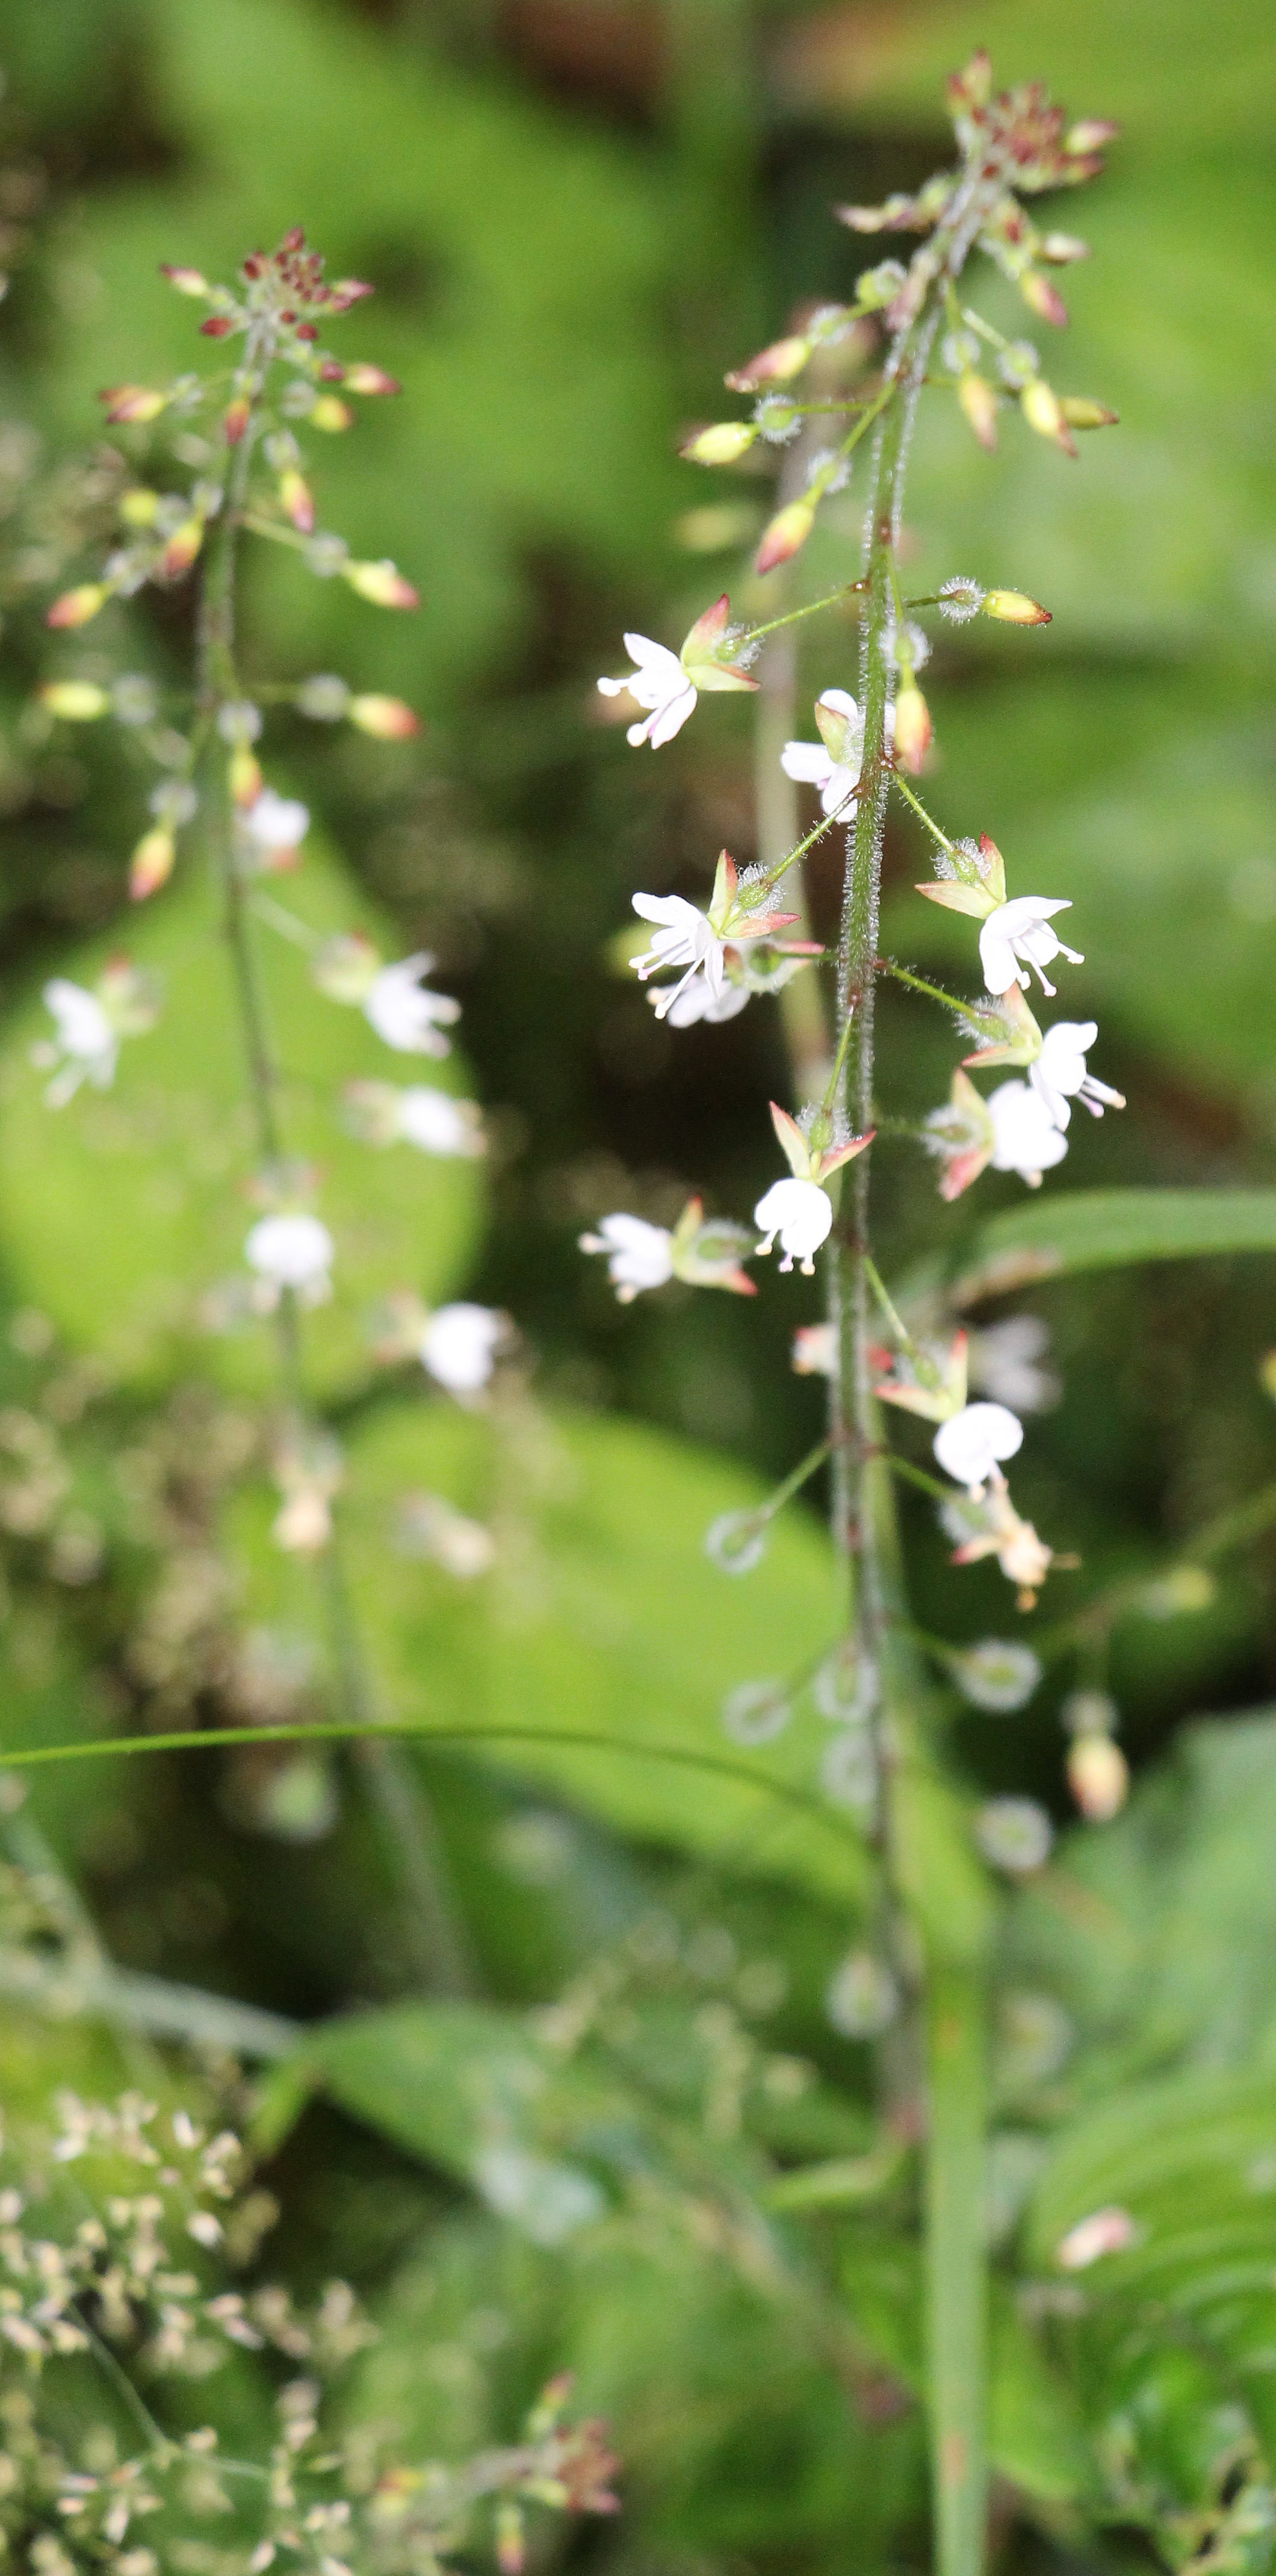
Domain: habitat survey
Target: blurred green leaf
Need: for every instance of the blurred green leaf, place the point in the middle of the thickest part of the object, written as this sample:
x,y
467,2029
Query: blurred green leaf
x,y
1102,1229
122,1211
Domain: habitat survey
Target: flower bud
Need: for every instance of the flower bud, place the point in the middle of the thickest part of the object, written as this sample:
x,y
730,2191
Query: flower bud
x,y
1098,1776
979,403
878,286
1062,248
76,607
330,413
721,444
235,419
347,291
1043,412
218,326
386,719
132,403
186,280
295,497
364,379
1014,608
785,535
1081,413
76,701
244,775
324,697
1090,134
183,546
737,1541
912,728
152,863
772,366
382,583
972,86
139,506
1042,298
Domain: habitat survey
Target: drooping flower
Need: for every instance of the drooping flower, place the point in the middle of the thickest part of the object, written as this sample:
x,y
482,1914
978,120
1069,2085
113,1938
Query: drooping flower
x,y
1025,1137
437,1124
991,1526
638,1255
276,823
705,1254
739,918
1059,1074
659,683
801,1213
459,1344
928,1379
85,1045
405,1013
1005,1363
695,999
1017,936
971,1445
815,1350
833,763
290,1249
962,1135
1105,2231
685,938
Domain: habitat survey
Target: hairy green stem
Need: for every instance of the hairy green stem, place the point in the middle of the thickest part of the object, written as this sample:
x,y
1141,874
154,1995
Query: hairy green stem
x,y
955,2305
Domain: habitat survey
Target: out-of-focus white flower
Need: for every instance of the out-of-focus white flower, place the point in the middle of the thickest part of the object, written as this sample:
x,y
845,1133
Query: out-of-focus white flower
x,y
290,1250
685,937
430,1527
437,1123
85,1046
1059,1074
1004,1363
992,1527
659,683
405,1013
1016,936
996,1674
971,1446
459,1344
638,1255
276,822
1014,1834
1025,1137
801,1213
833,763
695,999
815,1350
1105,2231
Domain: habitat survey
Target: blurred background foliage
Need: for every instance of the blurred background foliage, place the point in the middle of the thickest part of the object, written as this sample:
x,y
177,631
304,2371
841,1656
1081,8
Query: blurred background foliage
x,y
578,214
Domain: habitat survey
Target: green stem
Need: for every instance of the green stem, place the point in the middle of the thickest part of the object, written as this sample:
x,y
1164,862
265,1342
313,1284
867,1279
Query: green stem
x,y
918,808
794,616
891,1311
918,984
956,2300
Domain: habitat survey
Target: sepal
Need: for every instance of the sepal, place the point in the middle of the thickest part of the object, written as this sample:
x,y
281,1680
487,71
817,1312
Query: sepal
x,y
1013,1036
705,647
709,1255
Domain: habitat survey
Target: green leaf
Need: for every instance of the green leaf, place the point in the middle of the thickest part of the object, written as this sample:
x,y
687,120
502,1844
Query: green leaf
x,y
1103,1229
596,1656
122,1211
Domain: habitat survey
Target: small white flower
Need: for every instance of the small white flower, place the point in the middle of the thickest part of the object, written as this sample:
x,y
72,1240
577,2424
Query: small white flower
x,y
812,763
695,999
437,1123
1014,1834
458,1346
659,683
801,1213
1017,936
685,938
291,1251
405,1014
84,1040
638,1255
1005,1363
276,822
1025,1137
1059,1074
971,1444
1105,2231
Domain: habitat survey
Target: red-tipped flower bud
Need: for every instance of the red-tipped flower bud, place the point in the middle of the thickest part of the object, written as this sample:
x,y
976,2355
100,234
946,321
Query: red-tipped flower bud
x,y
183,546
1042,298
218,326
1080,413
152,863
785,536
1090,134
235,419
1014,608
294,493
912,728
132,403
772,366
186,280
76,607
387,719
364,379
244,774
382,583
1043,412
1098,1776
979,403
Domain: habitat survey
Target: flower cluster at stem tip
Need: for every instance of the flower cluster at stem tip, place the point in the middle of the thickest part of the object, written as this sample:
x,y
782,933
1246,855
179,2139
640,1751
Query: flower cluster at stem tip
x,y
706,961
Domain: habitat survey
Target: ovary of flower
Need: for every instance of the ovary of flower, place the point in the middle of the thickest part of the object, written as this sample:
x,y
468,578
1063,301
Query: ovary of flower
x,y
684,938
695,999
1059,1074
405,1014
1016,936
972,1444
638,1255
1025,1137
458,1346
658,682
436,1123
291,1251
801,1213
276,822
812,764
84,1039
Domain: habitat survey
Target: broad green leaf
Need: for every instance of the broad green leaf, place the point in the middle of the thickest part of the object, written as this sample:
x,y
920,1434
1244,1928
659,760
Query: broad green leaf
x,y
122,1212
597,1654
1190,2156
1102,1229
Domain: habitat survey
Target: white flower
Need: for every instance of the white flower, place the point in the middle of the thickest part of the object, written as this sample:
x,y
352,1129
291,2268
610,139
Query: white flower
x,y
1059,1075
1105,2231
638,1255
685,938
458,1346
438,1123
812,763
658,682
971,1444
695,999
1025,1137
1004,1363
291,1251
84,1039
1016,936
404,1014
276,822
801,1213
